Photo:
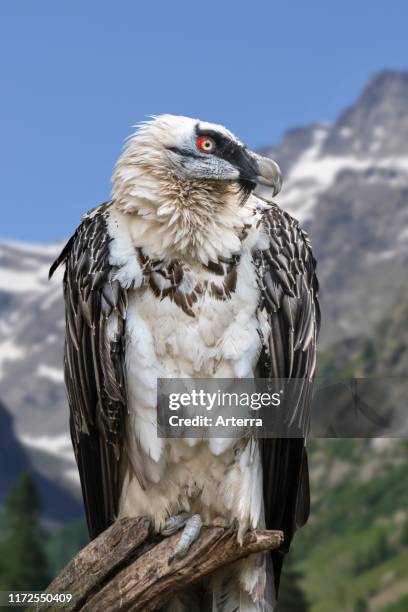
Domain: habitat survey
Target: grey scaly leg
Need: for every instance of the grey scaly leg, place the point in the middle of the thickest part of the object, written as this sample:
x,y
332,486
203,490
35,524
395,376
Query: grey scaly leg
x,y
190,534
174,523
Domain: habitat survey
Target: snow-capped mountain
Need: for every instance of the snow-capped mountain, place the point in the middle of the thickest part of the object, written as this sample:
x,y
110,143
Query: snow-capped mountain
x,y
31,352
347,182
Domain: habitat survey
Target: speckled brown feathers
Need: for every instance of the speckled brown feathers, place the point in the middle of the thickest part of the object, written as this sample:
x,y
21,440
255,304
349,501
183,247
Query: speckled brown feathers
x,y
289,287
94,366
168,279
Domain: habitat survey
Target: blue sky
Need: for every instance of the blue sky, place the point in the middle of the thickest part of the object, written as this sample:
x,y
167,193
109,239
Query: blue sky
x,y
77,75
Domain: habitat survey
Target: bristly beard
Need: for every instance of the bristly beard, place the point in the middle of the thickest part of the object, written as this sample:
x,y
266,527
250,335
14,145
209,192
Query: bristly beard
x,y
245,190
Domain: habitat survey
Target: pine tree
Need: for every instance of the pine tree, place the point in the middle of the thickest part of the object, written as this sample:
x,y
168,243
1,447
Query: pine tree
x,y
360,605
23,561
291,595
404,534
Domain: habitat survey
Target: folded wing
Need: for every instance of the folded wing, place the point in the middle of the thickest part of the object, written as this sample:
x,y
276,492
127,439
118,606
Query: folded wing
x,y
95,307
289,302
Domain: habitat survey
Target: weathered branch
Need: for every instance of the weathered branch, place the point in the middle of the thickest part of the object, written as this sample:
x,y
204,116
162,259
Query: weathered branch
x,y
124,569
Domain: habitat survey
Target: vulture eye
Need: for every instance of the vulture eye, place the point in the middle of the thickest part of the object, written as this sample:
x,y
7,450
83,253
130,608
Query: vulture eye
x,y
206,144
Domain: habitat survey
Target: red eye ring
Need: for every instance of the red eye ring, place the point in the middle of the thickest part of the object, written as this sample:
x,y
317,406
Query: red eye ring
x,y
205,144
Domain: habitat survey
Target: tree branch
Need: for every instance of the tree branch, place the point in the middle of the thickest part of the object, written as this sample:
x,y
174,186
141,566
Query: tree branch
x,y
126,568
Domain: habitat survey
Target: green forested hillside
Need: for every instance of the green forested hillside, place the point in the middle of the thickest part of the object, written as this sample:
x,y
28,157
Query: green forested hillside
x,y
65,543
354,551
355,547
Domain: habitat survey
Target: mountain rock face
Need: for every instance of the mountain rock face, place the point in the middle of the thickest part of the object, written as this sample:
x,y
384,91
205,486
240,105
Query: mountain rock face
x,y
13,458
31,354
347,182
377,124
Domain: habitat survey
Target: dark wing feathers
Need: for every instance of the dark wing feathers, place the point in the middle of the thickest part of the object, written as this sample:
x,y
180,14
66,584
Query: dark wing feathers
x,y
289,290
94,366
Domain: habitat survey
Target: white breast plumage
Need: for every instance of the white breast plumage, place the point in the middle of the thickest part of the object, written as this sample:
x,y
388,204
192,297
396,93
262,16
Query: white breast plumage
x,y
213,334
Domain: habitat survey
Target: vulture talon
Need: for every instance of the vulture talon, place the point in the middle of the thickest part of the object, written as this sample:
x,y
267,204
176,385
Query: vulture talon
x,y
174,523
190,534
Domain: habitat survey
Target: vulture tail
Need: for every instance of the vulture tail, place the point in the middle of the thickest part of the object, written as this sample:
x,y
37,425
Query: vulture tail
x,y
235,588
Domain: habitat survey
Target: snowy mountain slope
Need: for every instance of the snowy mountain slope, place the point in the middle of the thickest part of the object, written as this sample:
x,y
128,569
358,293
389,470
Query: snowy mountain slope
x,y
347,182
371,134
31,352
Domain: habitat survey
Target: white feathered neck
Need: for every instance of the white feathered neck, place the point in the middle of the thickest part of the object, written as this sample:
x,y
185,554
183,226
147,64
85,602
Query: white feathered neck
x,y
196,220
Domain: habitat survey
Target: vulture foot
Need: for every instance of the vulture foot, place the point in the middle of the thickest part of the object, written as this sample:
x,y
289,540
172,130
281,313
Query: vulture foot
x,y
190,533
174,523
219,521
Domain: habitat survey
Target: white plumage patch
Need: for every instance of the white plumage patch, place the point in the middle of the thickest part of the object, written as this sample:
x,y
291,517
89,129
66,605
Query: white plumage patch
x,y
122,252
221,340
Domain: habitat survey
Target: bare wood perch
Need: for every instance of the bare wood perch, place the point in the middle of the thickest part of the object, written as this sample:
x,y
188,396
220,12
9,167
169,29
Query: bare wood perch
x,y
124,569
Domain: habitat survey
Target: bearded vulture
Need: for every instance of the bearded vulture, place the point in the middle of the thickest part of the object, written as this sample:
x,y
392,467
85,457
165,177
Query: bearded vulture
x,y
187,273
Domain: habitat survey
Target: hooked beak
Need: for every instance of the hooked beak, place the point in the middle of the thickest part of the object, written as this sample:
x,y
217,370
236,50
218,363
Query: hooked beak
x,y
269,174
260,170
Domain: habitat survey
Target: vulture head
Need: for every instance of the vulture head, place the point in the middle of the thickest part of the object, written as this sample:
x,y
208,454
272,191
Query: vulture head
x,y
186,177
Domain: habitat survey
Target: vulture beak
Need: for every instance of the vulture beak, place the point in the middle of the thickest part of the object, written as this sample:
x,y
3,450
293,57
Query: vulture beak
x,y
269,174
260,171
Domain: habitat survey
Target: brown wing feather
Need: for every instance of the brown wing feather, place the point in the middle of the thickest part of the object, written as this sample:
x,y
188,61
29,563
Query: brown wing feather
x,y
94,366
289,298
